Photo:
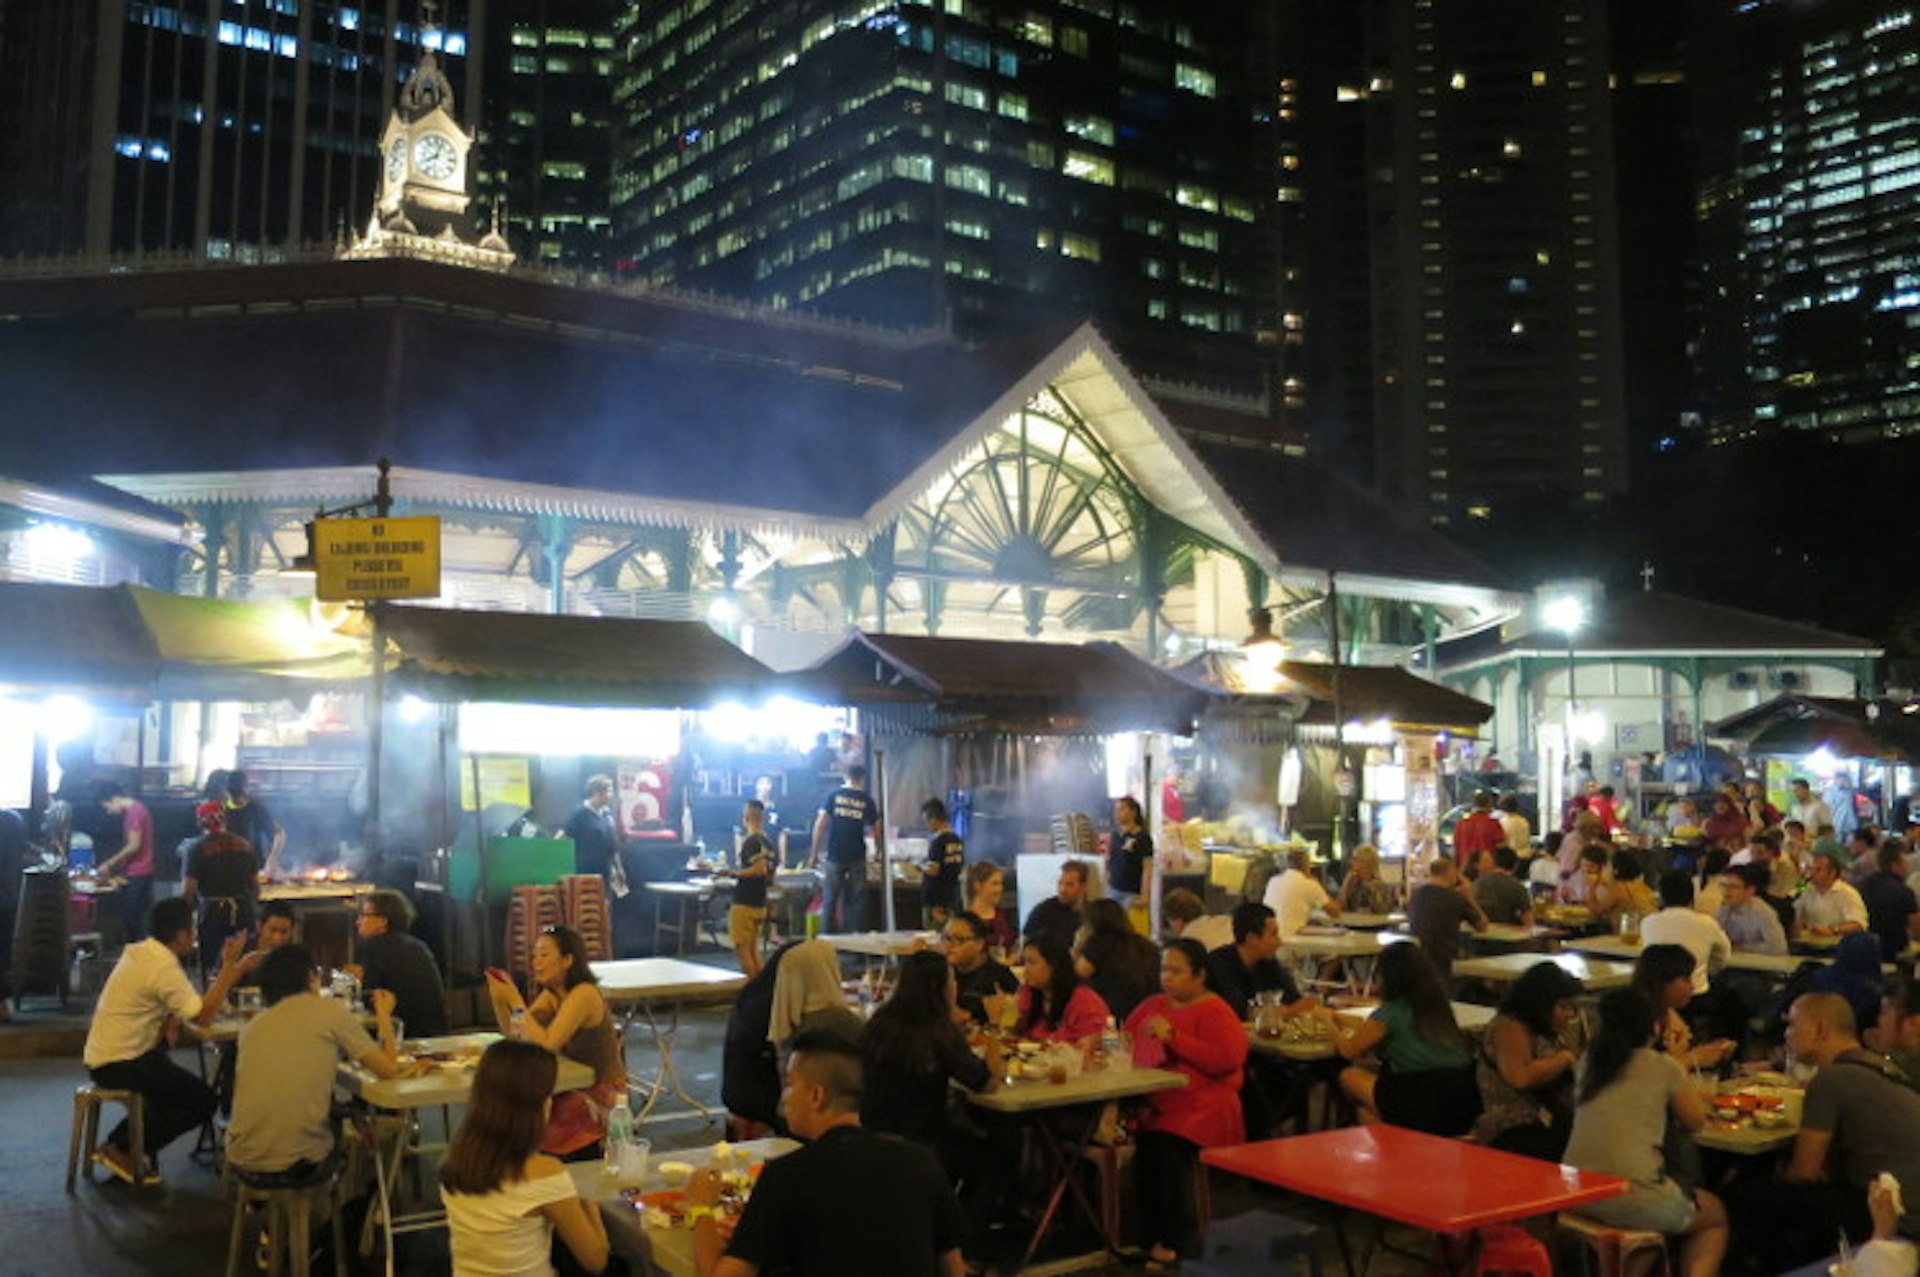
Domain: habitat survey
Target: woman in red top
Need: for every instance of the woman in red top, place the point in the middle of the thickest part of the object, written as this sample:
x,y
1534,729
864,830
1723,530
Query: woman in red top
x,y
1192,1031
1727,825
1055,1004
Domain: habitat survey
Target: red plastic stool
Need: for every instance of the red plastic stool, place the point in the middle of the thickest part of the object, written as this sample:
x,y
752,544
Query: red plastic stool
x,y
1508,1248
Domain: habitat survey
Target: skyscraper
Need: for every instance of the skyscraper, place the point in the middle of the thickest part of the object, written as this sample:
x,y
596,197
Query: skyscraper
x,y
972,160
1810,211
547,140
229,130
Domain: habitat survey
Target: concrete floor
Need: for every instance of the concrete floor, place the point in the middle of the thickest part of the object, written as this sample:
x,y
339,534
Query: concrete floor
x,y
180,1228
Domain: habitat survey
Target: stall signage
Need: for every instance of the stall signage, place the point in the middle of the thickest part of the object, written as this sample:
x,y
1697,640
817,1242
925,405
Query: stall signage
x,y
376,559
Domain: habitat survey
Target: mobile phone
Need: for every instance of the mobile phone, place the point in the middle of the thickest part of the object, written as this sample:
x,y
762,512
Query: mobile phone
x,y
498,973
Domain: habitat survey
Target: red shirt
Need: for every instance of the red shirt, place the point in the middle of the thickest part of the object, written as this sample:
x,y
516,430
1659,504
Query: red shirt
x,y
1209,1045
137,819
1477,833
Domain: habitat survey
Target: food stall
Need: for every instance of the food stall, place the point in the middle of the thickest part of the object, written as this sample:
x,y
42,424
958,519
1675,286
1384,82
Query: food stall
x,y
1851,749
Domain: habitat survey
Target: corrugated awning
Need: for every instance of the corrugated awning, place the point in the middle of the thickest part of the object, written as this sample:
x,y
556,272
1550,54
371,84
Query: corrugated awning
x,y
1367,692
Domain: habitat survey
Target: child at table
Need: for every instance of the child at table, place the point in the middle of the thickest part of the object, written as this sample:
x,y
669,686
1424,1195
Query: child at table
x,y
1627,1091
1191,1031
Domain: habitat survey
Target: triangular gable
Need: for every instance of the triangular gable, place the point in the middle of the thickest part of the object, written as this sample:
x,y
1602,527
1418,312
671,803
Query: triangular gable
x,y
1092,377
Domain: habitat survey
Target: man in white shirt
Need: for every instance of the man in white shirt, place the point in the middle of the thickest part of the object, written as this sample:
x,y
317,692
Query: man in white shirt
x,y
1295,894
1678,922
1830,905
1519,832
1187,917
1809,809
145,998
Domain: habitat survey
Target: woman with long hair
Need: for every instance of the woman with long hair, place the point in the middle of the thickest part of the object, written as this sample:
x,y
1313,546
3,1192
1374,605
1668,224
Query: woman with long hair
x,y
1192,1031
506,1200
1122,965
912,1048
1628,1092
1663,973
986,884
1363,890
1726,824
1426,1079
1625,890
1525,1067
1055,1005
568,1016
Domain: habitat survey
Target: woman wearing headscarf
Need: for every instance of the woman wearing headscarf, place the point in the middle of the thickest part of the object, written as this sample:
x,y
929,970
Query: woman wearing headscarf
x,y
806,996
1854,974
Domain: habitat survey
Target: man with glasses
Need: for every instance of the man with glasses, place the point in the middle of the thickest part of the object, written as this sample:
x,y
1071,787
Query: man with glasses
x,y
1750,923
976,976
391,958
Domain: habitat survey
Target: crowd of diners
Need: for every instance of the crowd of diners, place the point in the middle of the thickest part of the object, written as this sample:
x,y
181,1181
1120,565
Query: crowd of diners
x,y
1613,1087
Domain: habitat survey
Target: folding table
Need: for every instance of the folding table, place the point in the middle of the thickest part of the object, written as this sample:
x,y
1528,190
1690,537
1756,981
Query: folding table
x,y
647,986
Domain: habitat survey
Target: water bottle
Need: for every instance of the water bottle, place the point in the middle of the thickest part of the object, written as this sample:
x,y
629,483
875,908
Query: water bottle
x,y
517,1024
866,994
619,1136
1110,1046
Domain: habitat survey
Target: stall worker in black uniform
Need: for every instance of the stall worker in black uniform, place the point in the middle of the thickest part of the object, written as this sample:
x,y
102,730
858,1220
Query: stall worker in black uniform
x,y
248,818
840,837
946,865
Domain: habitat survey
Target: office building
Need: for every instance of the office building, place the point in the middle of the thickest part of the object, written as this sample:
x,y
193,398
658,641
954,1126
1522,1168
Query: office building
x,y
546,144
978,162
224,130
1810,219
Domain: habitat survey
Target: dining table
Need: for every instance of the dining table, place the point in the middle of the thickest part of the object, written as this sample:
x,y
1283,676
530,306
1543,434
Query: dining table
x,y
653,991
1048,1110
653,1250
446,1081
1503,968
1445,1187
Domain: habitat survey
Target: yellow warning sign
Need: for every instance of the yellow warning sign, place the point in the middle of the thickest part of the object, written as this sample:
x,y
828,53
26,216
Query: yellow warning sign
x,y
376,559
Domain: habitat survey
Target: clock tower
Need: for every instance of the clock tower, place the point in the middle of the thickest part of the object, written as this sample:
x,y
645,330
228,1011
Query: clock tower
x,y
422,209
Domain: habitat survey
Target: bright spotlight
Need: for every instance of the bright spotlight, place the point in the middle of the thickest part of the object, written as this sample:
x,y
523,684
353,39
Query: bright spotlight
x,y
1565,614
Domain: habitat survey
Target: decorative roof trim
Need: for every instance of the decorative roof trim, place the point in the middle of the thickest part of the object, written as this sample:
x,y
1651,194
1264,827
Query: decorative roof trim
x,y
1559,653
35,499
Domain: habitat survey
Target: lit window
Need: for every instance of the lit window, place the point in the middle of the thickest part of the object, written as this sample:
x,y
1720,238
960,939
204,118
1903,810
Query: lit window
x,y
1091,127
1194,79
1197,197
1013,106
1088,168
1084,247
1539,79
1459,80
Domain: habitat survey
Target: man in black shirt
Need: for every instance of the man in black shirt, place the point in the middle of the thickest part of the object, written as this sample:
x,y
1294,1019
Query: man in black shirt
x,y
1248,966
591,828
840,836
391,958
748,914
803,1219
976,976
1437,909
248,818
1058,916
946,864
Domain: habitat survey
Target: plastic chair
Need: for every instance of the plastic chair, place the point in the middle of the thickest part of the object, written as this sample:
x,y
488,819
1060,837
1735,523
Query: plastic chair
x,y
86,1129
1608,1248
1509,1249
289,1221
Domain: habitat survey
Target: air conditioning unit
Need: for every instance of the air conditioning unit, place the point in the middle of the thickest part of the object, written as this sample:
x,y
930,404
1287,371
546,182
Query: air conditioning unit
x,y
1788,680
1741,680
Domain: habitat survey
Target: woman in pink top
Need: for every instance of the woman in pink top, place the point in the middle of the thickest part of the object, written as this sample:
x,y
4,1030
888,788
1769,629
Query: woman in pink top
x,y
1192,1031
1055,1005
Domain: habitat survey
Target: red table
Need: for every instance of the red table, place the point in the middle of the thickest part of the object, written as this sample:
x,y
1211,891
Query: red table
x,y
1444,1186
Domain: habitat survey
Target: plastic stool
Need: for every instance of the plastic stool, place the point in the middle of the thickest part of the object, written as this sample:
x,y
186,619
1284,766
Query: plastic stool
x,y
86,1129
1608,1247
1508,1248
289,1222
1252,1244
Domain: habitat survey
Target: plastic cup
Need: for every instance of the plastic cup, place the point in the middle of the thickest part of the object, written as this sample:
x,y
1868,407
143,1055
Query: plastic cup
x,y
634,1160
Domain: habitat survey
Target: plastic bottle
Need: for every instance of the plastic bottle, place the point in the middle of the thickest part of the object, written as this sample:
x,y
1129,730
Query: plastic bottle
x,y
517,1024
866,994
1110,1046
619,1136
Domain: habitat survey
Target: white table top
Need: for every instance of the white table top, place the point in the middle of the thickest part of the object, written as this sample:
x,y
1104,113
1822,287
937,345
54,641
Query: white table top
x,y
664,979
1470,1016
883,944
668,1250
1508,933
1339,944
1030,1096
1771,964
703,887
1364,921
1501,967
441,1085
227,1025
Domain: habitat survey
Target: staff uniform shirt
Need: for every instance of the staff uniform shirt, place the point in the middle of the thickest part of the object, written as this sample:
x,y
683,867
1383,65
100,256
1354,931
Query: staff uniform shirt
x,y
147,985
804,1218
751,893
283,1084
1127,858
1693,931
1293,896
1890,904
946,862
253,821
850,813
1838,904
593,842
137,819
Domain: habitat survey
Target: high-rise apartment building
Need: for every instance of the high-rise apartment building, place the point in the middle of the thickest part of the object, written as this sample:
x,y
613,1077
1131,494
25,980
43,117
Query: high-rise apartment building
x,y
546,147
1460,289
979,161
1810,211
222,128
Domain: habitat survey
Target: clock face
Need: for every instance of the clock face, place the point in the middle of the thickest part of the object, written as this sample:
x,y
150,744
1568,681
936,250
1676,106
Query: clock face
x,y
397,161
435,157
